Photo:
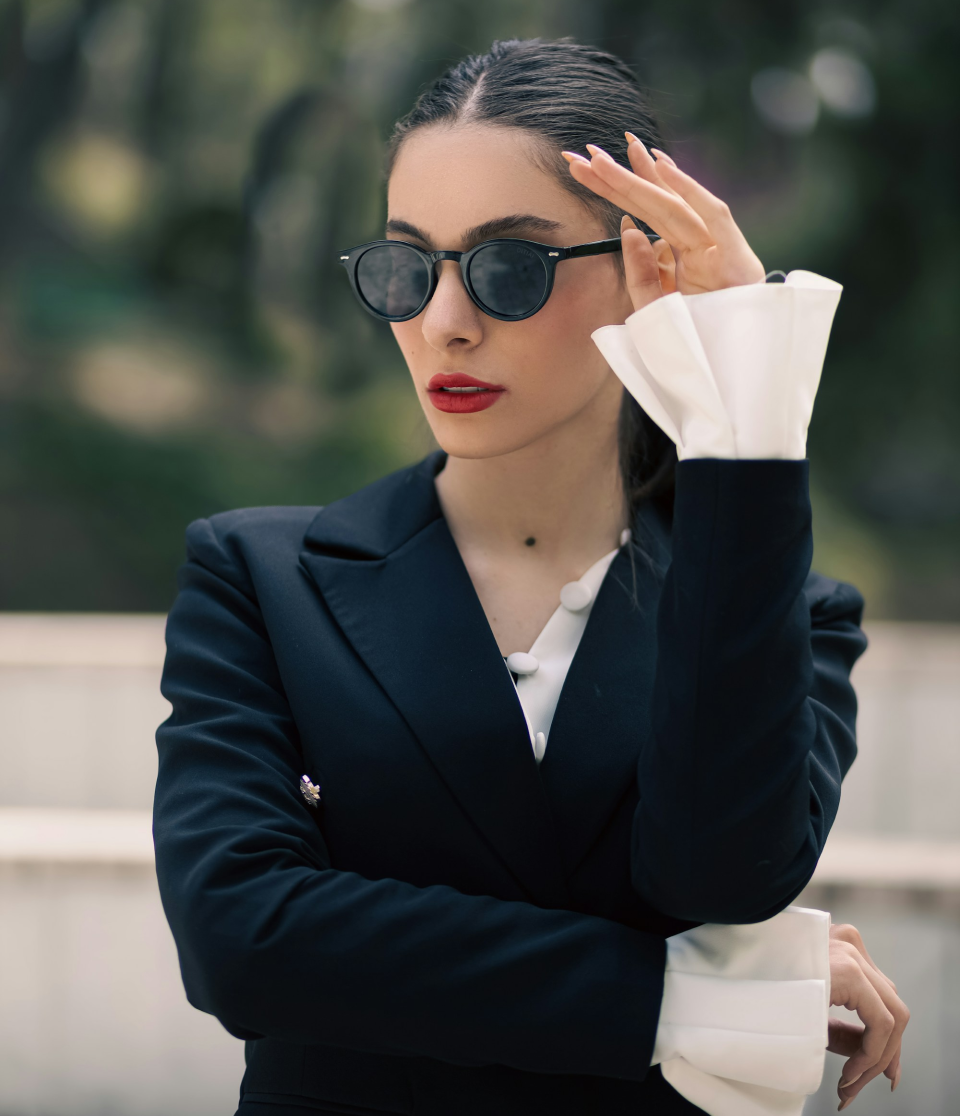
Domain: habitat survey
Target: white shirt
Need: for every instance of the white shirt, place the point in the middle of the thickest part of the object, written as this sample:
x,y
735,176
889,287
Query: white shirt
x,y
728,374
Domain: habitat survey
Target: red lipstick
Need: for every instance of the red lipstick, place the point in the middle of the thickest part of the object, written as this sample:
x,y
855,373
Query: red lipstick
x,y
460,394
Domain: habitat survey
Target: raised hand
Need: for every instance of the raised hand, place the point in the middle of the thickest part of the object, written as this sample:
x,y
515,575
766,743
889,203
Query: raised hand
x,y
710,250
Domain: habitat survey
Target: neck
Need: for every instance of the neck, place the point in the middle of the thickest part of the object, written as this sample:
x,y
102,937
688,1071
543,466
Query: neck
x,y
564,490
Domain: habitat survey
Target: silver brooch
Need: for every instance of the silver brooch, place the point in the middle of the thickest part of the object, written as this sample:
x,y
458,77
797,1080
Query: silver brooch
x,y
310,791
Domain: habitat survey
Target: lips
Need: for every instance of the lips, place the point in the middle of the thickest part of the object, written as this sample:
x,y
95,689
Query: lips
x,y
457,393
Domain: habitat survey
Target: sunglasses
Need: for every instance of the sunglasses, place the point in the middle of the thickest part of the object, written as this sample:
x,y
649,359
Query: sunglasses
x,y
508,279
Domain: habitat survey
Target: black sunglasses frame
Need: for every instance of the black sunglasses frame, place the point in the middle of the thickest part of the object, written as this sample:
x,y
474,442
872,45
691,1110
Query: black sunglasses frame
x,y
550,255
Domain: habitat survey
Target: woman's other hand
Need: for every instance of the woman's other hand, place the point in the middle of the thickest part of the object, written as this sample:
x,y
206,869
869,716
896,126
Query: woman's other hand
x,y
857,984
709,250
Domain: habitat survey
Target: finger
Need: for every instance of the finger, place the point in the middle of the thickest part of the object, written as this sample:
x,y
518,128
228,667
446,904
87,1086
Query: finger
x,y
586,173
844,1038
897,1008
891,1053
848,933
640,265
892,1072
588,177
665,212
643,162
858,1071
714,213
680,223
849,1094
582,170
888,1064
860,995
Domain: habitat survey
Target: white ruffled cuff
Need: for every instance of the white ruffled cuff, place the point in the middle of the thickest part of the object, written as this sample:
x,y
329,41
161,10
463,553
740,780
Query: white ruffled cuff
x,y
730,373
743,1021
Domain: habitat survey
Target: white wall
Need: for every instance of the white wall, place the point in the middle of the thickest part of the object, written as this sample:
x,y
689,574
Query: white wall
x,y
906,779
93,1020
79,704
913,935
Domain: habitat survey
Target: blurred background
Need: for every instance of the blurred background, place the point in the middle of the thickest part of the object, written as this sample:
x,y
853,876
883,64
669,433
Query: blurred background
x,y
176,339
177,175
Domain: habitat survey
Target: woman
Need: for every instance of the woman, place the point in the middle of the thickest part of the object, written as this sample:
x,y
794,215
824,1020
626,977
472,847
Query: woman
x,y
417,880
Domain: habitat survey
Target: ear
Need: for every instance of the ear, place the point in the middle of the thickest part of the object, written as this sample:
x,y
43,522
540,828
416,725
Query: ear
x,y
667,265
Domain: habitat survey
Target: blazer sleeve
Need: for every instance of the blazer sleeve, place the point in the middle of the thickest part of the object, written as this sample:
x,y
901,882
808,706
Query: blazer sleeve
x,y
276,941
753,710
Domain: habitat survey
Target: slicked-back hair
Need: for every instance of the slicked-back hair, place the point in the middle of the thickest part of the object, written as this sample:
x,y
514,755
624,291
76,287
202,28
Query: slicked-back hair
x,y
564,95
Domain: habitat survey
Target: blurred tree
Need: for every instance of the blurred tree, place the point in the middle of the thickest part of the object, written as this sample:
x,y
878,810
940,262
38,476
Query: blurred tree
x,y
176,336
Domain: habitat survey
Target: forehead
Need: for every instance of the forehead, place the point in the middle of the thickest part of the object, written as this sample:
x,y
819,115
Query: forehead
x,y
446,180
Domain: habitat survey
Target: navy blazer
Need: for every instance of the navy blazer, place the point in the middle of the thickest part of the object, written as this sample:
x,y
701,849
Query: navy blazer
x,y
457,931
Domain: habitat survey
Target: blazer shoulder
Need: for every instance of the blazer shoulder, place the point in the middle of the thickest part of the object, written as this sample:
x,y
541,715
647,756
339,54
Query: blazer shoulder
x,y
251,522
375,518
234,538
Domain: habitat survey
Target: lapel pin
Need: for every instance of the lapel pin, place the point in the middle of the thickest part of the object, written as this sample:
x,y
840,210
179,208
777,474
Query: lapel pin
x,y
310,791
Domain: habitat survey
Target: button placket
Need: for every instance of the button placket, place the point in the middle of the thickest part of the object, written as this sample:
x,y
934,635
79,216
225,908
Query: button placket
x,y
539,689
575,596
520,662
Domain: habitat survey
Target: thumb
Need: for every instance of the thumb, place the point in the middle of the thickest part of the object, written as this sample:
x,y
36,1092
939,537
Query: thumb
x,y
843,1037
640,265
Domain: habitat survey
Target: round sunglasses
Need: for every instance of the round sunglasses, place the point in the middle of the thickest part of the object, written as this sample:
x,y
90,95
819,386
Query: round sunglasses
x,y
508,279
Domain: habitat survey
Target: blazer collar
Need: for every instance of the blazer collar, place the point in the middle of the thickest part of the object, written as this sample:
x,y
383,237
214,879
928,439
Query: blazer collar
x,y
602,718
377,520
392,576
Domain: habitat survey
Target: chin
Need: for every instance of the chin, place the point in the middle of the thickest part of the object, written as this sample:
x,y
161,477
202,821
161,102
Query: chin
x,y
463,436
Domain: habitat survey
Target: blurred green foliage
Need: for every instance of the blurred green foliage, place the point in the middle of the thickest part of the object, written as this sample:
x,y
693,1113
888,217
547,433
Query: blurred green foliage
x,y
176,176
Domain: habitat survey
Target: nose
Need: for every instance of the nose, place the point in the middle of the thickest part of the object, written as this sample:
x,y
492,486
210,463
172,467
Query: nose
x,y
452,320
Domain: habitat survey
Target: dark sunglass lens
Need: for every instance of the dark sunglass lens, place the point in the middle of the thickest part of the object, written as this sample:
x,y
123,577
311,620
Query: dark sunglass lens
x,y
393,279
508,279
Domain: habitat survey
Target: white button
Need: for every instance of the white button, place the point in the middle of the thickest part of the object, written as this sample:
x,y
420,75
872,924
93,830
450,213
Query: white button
x,y
539,746
575,596
522,663
625,536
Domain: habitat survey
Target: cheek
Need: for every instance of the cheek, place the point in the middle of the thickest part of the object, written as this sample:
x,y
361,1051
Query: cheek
x,y
409,339
557,342
591,293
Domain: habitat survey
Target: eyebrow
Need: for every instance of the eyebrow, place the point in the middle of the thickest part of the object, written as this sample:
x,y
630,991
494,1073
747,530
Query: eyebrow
x,y
498,226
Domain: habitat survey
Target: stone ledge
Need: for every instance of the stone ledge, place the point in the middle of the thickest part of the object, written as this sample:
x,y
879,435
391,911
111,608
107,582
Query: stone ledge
x,y
910,863
44,835
57,639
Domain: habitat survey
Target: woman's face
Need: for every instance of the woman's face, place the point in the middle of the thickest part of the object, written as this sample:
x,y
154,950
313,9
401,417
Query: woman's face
x,y
546,370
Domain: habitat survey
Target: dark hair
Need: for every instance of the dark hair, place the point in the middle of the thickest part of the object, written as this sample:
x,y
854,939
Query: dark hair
x,y
565,95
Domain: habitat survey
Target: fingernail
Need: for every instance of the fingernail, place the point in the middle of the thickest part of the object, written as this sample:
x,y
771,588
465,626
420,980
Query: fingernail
x,y
631,138
658,154
594,150
572,156
847,1102
845,1083
896,1080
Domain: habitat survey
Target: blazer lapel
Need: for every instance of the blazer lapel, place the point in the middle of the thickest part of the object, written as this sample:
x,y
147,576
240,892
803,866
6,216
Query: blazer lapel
x,y
392,576
603,715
